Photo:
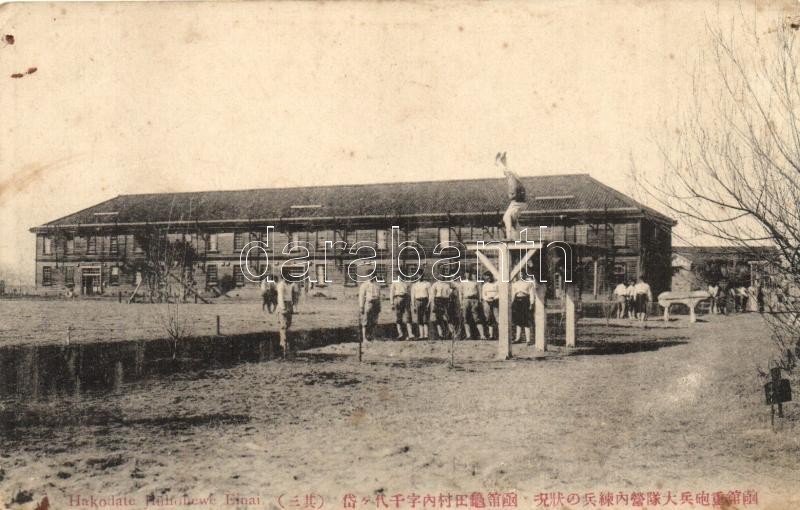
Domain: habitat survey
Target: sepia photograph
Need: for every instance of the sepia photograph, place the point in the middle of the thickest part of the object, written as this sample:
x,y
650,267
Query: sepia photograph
x,y
363,255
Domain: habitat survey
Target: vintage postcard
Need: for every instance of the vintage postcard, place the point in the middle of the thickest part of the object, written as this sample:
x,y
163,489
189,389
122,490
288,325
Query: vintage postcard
x,y
400,255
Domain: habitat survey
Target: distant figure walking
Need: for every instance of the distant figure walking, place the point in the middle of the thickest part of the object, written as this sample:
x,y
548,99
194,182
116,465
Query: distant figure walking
x,y
269,295
516,194
285,291
643,296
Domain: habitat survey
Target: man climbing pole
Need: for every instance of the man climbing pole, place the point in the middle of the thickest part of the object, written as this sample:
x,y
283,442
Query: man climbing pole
x,y
516,194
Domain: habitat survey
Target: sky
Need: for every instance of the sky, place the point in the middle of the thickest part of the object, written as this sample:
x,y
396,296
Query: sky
x,y
141,98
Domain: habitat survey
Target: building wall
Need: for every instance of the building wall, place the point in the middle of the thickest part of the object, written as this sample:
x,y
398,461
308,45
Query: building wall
x,y
656,256
685,280
633,247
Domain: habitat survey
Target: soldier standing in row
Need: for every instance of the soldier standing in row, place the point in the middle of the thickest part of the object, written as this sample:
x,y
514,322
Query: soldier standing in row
x,y
471,305
490,295
441,292
421,293
400,297
369,307
523,291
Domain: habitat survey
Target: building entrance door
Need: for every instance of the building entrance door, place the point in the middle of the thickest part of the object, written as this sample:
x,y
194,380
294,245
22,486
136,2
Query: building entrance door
x,y
90,281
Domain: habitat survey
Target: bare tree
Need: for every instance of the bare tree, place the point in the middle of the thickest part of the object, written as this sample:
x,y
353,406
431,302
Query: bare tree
x,y
166,266
732,165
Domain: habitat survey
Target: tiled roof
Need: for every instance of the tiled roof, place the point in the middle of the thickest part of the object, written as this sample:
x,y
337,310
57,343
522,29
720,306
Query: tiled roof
x,y
548,194
698,254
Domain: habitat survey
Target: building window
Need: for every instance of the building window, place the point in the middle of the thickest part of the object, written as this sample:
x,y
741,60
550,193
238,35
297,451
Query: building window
x,y
47,248
70,245
296,237
410,270
381,239
47,276
351,279
444,236
69,275
238,241
321,238
113,245
238,276
620,235
211,276
113,278
211,243
252,266
321,273
580,234
620,269
380,272
598,235
91,244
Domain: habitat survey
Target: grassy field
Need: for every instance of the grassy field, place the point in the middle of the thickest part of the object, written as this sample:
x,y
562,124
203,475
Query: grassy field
x,y
32,322
672,408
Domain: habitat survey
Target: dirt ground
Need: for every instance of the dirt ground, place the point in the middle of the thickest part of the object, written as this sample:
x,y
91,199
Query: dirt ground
x,y
672,408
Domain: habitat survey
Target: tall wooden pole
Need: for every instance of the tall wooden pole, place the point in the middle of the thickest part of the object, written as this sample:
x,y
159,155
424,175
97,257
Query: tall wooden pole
x,y
540,318
569,294
504,319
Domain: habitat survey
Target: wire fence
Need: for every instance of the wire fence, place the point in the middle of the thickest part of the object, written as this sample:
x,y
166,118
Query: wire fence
x,y
80,329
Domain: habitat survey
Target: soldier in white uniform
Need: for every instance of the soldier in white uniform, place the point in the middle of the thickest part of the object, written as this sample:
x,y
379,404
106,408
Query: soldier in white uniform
x,y
441,292
490,295
621,298
421,293
470,294
400,297
643,297
523,292
516,194
369,307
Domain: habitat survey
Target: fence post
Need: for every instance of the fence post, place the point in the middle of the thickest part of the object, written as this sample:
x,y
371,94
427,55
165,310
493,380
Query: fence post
x,y
218,333
69,334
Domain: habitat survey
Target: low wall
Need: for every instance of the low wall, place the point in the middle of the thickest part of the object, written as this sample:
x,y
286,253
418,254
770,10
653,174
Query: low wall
x,y
33,372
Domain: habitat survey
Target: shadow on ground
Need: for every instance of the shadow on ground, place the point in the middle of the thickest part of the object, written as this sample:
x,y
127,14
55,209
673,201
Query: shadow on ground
x,y
607,348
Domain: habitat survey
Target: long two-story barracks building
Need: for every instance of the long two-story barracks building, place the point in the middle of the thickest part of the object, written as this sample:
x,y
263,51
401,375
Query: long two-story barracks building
x,y
95,251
